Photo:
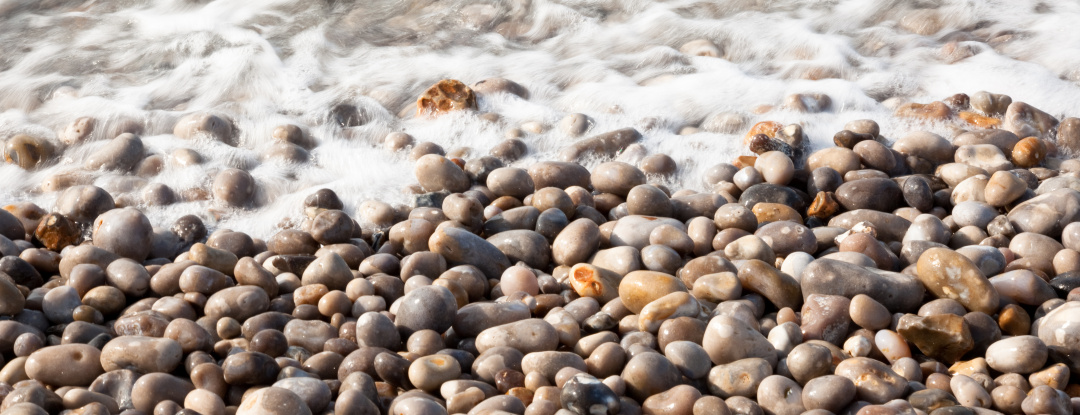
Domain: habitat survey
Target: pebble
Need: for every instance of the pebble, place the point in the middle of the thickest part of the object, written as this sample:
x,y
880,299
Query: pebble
x,y
1060,328
1019,354
677,400
874,381
830,392
141,354
948,274
273,401
648,374
762,278
946,337
786,237
728,339
640,288
897,292
584,394
64,365
738,378
780,395
876,194
460,246
430,372
527,336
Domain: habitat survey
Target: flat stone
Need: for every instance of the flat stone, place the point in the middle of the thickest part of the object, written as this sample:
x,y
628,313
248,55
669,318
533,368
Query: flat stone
x,y
942,336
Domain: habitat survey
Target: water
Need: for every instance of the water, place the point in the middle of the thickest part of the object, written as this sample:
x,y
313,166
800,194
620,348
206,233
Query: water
x,y
268,63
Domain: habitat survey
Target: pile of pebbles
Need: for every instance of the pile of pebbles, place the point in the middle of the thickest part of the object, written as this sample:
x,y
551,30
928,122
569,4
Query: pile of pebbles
x,y
921,275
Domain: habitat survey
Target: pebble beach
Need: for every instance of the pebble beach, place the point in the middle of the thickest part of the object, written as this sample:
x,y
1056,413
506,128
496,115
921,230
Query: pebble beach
x,y
539,207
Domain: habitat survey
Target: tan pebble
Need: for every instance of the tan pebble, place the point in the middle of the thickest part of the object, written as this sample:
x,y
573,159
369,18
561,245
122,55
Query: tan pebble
x,y
738,378
273,401
934,111
64,365
775,212
938,268
1029,152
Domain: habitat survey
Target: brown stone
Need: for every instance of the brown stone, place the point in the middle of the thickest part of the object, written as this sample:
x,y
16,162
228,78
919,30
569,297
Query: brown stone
x,y
1014,320
979,120
949,274
824,206
56,231
639,288
1029,152
445,96
768,128
941,336
934,111
65,365
775,212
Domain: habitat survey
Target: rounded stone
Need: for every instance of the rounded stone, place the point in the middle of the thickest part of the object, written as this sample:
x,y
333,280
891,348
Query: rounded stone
x,y
1019,354
780,395
426,308
874,193
647,374
830,392
141,354
437,173
238,303
125,232
874,381
314,392
59,303
527,336
583,393
775,167
510,181
83,203
430,372
948,274
677,400
786,237
11,299
64,365
273,401
616,177
234,187
250,368
738,378
728,339
640,288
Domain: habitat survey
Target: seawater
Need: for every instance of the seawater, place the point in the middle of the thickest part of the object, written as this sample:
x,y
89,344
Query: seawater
x,y
273,62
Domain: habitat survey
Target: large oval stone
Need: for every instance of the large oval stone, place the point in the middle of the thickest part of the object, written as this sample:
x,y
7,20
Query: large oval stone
x,y
639,288
65,365
897,292
141,354
728,339
1047,214
430,307
948,274
460,246
873,193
